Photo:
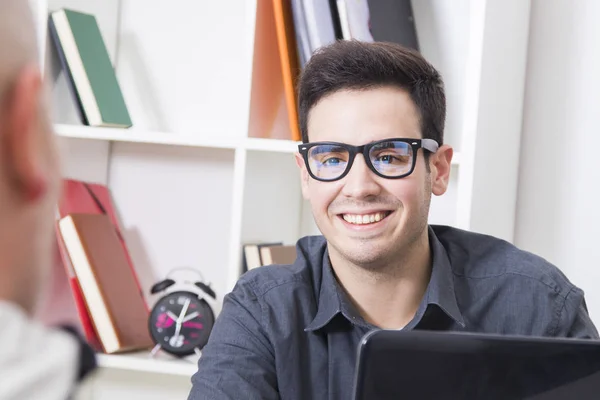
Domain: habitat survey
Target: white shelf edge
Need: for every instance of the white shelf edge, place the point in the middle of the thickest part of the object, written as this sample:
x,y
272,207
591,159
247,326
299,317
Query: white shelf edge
x,y
143,362
273,145
142,136
174,139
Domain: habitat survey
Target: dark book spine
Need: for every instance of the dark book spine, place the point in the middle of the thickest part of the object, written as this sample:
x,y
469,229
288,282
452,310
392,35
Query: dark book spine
x,y
335,17
65,67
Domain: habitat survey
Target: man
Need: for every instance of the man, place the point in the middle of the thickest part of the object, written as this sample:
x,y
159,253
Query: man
x,y
36,362
372,119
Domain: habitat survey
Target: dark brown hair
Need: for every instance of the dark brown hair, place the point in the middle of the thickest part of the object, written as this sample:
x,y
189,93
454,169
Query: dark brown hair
x,y
355,65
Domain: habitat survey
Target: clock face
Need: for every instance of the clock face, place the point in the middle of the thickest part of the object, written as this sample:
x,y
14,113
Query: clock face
x,y
180,322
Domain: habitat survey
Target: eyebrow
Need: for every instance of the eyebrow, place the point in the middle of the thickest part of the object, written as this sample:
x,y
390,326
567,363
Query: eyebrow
x,y
329,148
384,145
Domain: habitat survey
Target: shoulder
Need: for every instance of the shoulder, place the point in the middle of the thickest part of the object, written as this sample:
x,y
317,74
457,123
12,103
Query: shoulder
x,y
478,256
50,360
502,287
305,272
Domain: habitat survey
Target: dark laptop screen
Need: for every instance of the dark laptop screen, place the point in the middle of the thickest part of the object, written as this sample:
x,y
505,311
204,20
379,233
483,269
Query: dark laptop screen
x,y
434,365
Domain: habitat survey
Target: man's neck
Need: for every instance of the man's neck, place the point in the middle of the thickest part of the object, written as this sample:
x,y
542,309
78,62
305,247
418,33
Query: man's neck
x,y
387,296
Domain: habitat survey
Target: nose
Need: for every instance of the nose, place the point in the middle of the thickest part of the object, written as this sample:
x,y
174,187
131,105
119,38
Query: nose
x,y
360,182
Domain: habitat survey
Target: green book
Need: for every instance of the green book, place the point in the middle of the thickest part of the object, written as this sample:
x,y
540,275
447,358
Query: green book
x,y
92,78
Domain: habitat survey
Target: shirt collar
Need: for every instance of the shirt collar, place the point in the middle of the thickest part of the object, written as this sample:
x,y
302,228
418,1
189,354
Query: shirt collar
x,y
440,291
329,296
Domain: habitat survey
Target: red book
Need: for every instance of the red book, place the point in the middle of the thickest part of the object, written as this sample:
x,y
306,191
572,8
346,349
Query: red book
x,y
85,321
89,198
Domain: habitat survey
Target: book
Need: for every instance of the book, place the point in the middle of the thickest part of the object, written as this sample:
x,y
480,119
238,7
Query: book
x,y
343,18
335,19
260,254
93,198
289,59
275,69
278,254
301,29
393,21
319,23
91,76
89,198
117,309
355,21
86,325
252,254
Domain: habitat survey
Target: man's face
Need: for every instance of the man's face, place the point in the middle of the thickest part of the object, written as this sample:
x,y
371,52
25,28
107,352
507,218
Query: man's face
x,y
399,207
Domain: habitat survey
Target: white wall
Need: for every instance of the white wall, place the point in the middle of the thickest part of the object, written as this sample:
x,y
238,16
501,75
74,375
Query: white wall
x,y
443,32
558,215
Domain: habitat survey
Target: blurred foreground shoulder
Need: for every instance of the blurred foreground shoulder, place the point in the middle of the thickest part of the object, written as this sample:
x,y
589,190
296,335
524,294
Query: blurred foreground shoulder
x,y
49,364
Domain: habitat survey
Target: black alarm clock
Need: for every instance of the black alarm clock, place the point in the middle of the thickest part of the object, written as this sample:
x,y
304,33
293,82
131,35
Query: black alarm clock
x,y
181,320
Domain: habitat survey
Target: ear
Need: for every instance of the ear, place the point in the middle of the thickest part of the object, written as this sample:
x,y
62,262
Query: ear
x,y
303,175
440,165
20,132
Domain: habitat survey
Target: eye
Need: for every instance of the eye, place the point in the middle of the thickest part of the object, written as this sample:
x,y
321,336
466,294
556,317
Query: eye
x,y
387,159
332,161
392,159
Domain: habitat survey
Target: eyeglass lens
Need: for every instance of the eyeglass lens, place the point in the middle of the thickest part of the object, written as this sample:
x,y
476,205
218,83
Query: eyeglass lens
x,y
391,158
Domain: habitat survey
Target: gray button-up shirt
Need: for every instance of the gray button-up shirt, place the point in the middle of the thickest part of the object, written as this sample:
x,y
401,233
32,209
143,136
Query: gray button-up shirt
x,y
289,332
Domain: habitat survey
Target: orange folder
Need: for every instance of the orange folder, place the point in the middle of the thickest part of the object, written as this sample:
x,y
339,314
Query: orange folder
x,y
273,104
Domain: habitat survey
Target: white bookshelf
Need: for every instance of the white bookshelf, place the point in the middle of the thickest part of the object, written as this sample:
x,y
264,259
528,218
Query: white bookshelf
x,y
189,184
209,141
145,136
144,362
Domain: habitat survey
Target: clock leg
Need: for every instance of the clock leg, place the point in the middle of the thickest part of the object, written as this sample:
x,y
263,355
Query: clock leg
x,y
155,350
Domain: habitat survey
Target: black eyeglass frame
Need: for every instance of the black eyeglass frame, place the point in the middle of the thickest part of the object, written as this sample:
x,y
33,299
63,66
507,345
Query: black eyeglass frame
x,y
416,144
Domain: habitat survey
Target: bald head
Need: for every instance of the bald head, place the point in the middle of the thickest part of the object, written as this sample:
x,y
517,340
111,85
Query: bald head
x,y
18,45
22,108
29,164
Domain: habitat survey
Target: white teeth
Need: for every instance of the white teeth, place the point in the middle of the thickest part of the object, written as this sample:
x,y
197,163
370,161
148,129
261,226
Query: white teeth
x,y
364,219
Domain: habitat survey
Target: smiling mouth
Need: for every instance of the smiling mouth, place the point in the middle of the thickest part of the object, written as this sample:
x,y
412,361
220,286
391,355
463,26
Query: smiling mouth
x,y
364,219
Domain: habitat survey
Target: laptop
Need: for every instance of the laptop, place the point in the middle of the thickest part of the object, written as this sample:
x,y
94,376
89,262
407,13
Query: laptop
x,y
454,365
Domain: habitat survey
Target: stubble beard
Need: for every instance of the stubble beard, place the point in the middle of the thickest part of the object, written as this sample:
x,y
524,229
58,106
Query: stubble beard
x,y
387,260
